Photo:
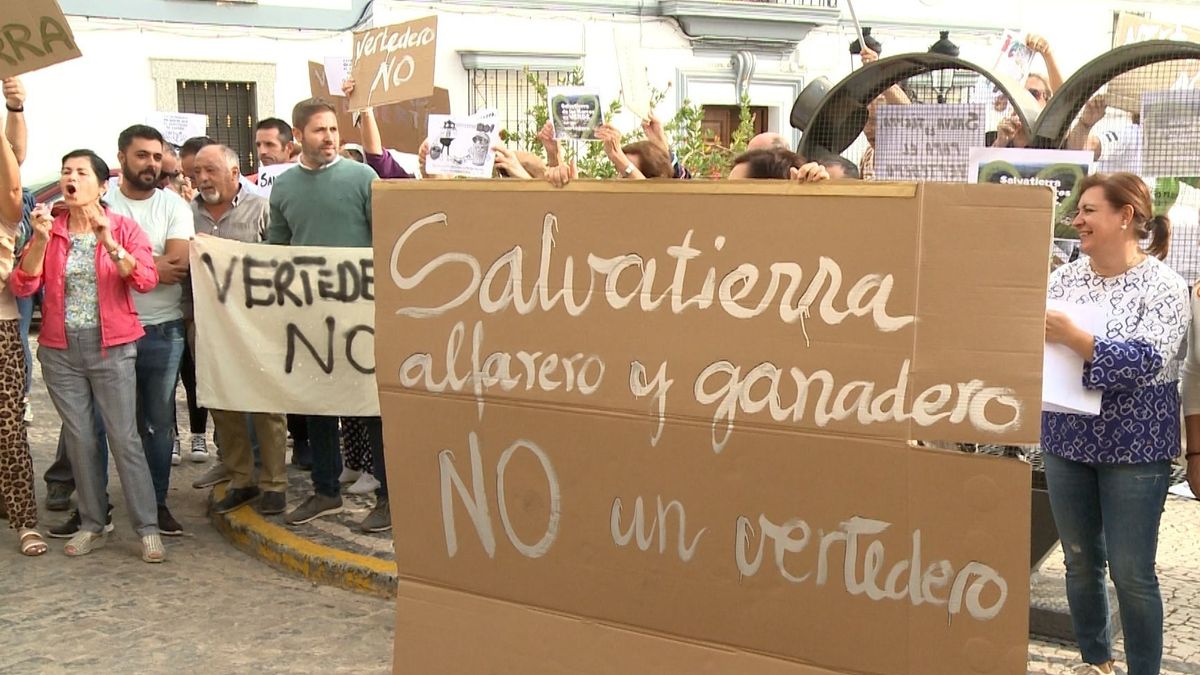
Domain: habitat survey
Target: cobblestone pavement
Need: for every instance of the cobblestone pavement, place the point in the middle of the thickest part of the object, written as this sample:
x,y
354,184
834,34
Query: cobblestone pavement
x,y
210,608
214,609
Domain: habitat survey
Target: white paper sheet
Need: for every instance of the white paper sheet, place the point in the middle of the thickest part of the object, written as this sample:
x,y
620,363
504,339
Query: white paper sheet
x,y
1182,490
1062,369
337,69
178,127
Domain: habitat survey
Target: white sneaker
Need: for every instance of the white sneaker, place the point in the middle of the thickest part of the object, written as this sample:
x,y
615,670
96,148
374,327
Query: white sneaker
x,y
349,476
365,485
28,411
175,453
199,448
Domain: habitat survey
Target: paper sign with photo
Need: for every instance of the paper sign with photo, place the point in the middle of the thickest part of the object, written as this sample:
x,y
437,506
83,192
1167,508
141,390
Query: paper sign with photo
x,y
178,127
576,112
1062,369
1013,63
461,145
1062,170
337,69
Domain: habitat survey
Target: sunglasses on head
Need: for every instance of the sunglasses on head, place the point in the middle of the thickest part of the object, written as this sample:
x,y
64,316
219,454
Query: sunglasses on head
x,y
1037,94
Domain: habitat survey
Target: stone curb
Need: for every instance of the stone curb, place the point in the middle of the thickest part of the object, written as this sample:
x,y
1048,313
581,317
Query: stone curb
x,y
246,529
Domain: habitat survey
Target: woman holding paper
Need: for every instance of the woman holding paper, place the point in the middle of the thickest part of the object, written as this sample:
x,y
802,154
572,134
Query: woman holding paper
x,y
1108,474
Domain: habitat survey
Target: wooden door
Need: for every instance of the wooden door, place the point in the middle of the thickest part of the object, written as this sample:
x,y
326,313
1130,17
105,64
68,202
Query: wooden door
x,y
720,121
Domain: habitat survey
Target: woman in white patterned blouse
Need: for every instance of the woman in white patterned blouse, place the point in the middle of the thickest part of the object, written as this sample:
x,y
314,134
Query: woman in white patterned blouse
x,y
1108,474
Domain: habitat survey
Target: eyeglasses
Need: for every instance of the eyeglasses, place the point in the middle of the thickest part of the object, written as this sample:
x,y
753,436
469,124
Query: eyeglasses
x,y
1037,94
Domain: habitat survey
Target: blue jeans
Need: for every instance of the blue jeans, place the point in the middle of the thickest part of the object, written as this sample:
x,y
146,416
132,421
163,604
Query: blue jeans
x,y
25,308
1109,513
325,440
158,354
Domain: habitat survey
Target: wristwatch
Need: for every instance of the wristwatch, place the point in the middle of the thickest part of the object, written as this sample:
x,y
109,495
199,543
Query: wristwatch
x,y
117,255
628,170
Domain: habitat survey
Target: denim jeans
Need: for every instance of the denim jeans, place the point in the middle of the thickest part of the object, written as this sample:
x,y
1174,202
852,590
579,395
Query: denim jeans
x,y
1109,513
324,439
158,355
25,308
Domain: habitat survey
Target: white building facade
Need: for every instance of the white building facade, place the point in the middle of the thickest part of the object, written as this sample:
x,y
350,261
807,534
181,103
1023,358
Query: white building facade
x,y
247,60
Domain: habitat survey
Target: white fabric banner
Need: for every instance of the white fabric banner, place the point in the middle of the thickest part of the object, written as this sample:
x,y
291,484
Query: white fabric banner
x,y
284,329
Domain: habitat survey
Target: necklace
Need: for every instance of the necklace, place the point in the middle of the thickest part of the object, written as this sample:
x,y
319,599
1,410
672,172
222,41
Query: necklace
x,y
1129,264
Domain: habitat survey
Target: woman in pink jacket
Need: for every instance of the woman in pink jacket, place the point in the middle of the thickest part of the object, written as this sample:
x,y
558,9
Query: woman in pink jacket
x,y
89,260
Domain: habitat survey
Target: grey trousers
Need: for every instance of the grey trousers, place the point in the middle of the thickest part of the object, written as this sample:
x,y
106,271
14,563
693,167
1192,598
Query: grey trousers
x,y
76,376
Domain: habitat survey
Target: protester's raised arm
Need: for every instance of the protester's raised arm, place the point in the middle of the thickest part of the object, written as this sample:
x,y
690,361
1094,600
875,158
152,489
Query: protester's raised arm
x,y
15,130
11,205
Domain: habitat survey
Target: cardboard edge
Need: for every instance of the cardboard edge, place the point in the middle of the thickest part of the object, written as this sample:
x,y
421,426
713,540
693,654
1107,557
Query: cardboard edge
x,y
838,188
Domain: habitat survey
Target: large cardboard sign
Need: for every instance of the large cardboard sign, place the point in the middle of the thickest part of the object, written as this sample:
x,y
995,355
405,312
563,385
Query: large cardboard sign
x,y
394,63
676,440
402,126
927,142
284,329
35,35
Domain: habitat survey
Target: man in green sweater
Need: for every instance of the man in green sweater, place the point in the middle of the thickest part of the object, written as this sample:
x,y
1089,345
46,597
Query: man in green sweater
x,y
326,201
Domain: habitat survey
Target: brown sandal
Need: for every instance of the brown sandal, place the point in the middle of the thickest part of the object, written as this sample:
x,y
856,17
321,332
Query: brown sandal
x,y
32,543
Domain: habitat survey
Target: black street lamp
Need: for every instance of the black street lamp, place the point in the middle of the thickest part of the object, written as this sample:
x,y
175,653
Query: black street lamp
x,y
943,80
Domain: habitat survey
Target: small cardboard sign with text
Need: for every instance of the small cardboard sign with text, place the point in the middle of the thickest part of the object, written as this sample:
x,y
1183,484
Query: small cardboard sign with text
x,y
35,35
284,329
402,126
678,441
394,63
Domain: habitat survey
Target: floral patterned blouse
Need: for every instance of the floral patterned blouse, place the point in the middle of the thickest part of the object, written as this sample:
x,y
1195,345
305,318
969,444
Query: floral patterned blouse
x,y
83,301
1135,365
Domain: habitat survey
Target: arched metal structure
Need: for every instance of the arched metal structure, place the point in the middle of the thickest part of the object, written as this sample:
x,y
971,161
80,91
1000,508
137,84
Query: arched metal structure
x,y
1052,126
831,124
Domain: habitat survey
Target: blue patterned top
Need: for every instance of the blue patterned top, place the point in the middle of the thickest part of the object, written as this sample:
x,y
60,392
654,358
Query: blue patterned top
x,y
1136,365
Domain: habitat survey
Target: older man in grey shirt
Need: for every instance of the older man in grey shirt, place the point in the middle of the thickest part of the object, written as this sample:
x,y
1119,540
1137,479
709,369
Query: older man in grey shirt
x,y
223,208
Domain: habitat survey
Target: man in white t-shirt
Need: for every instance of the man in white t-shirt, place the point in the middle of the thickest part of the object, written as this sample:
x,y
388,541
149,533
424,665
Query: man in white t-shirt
x,y
167,221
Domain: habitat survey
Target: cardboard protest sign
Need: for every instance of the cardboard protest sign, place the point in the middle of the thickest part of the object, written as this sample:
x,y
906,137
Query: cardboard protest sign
x,y
461,145
176,127
575,112
677,441
402,126
1061,170
1171,133
35,35
927,142
394,63
299,319
1125,91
